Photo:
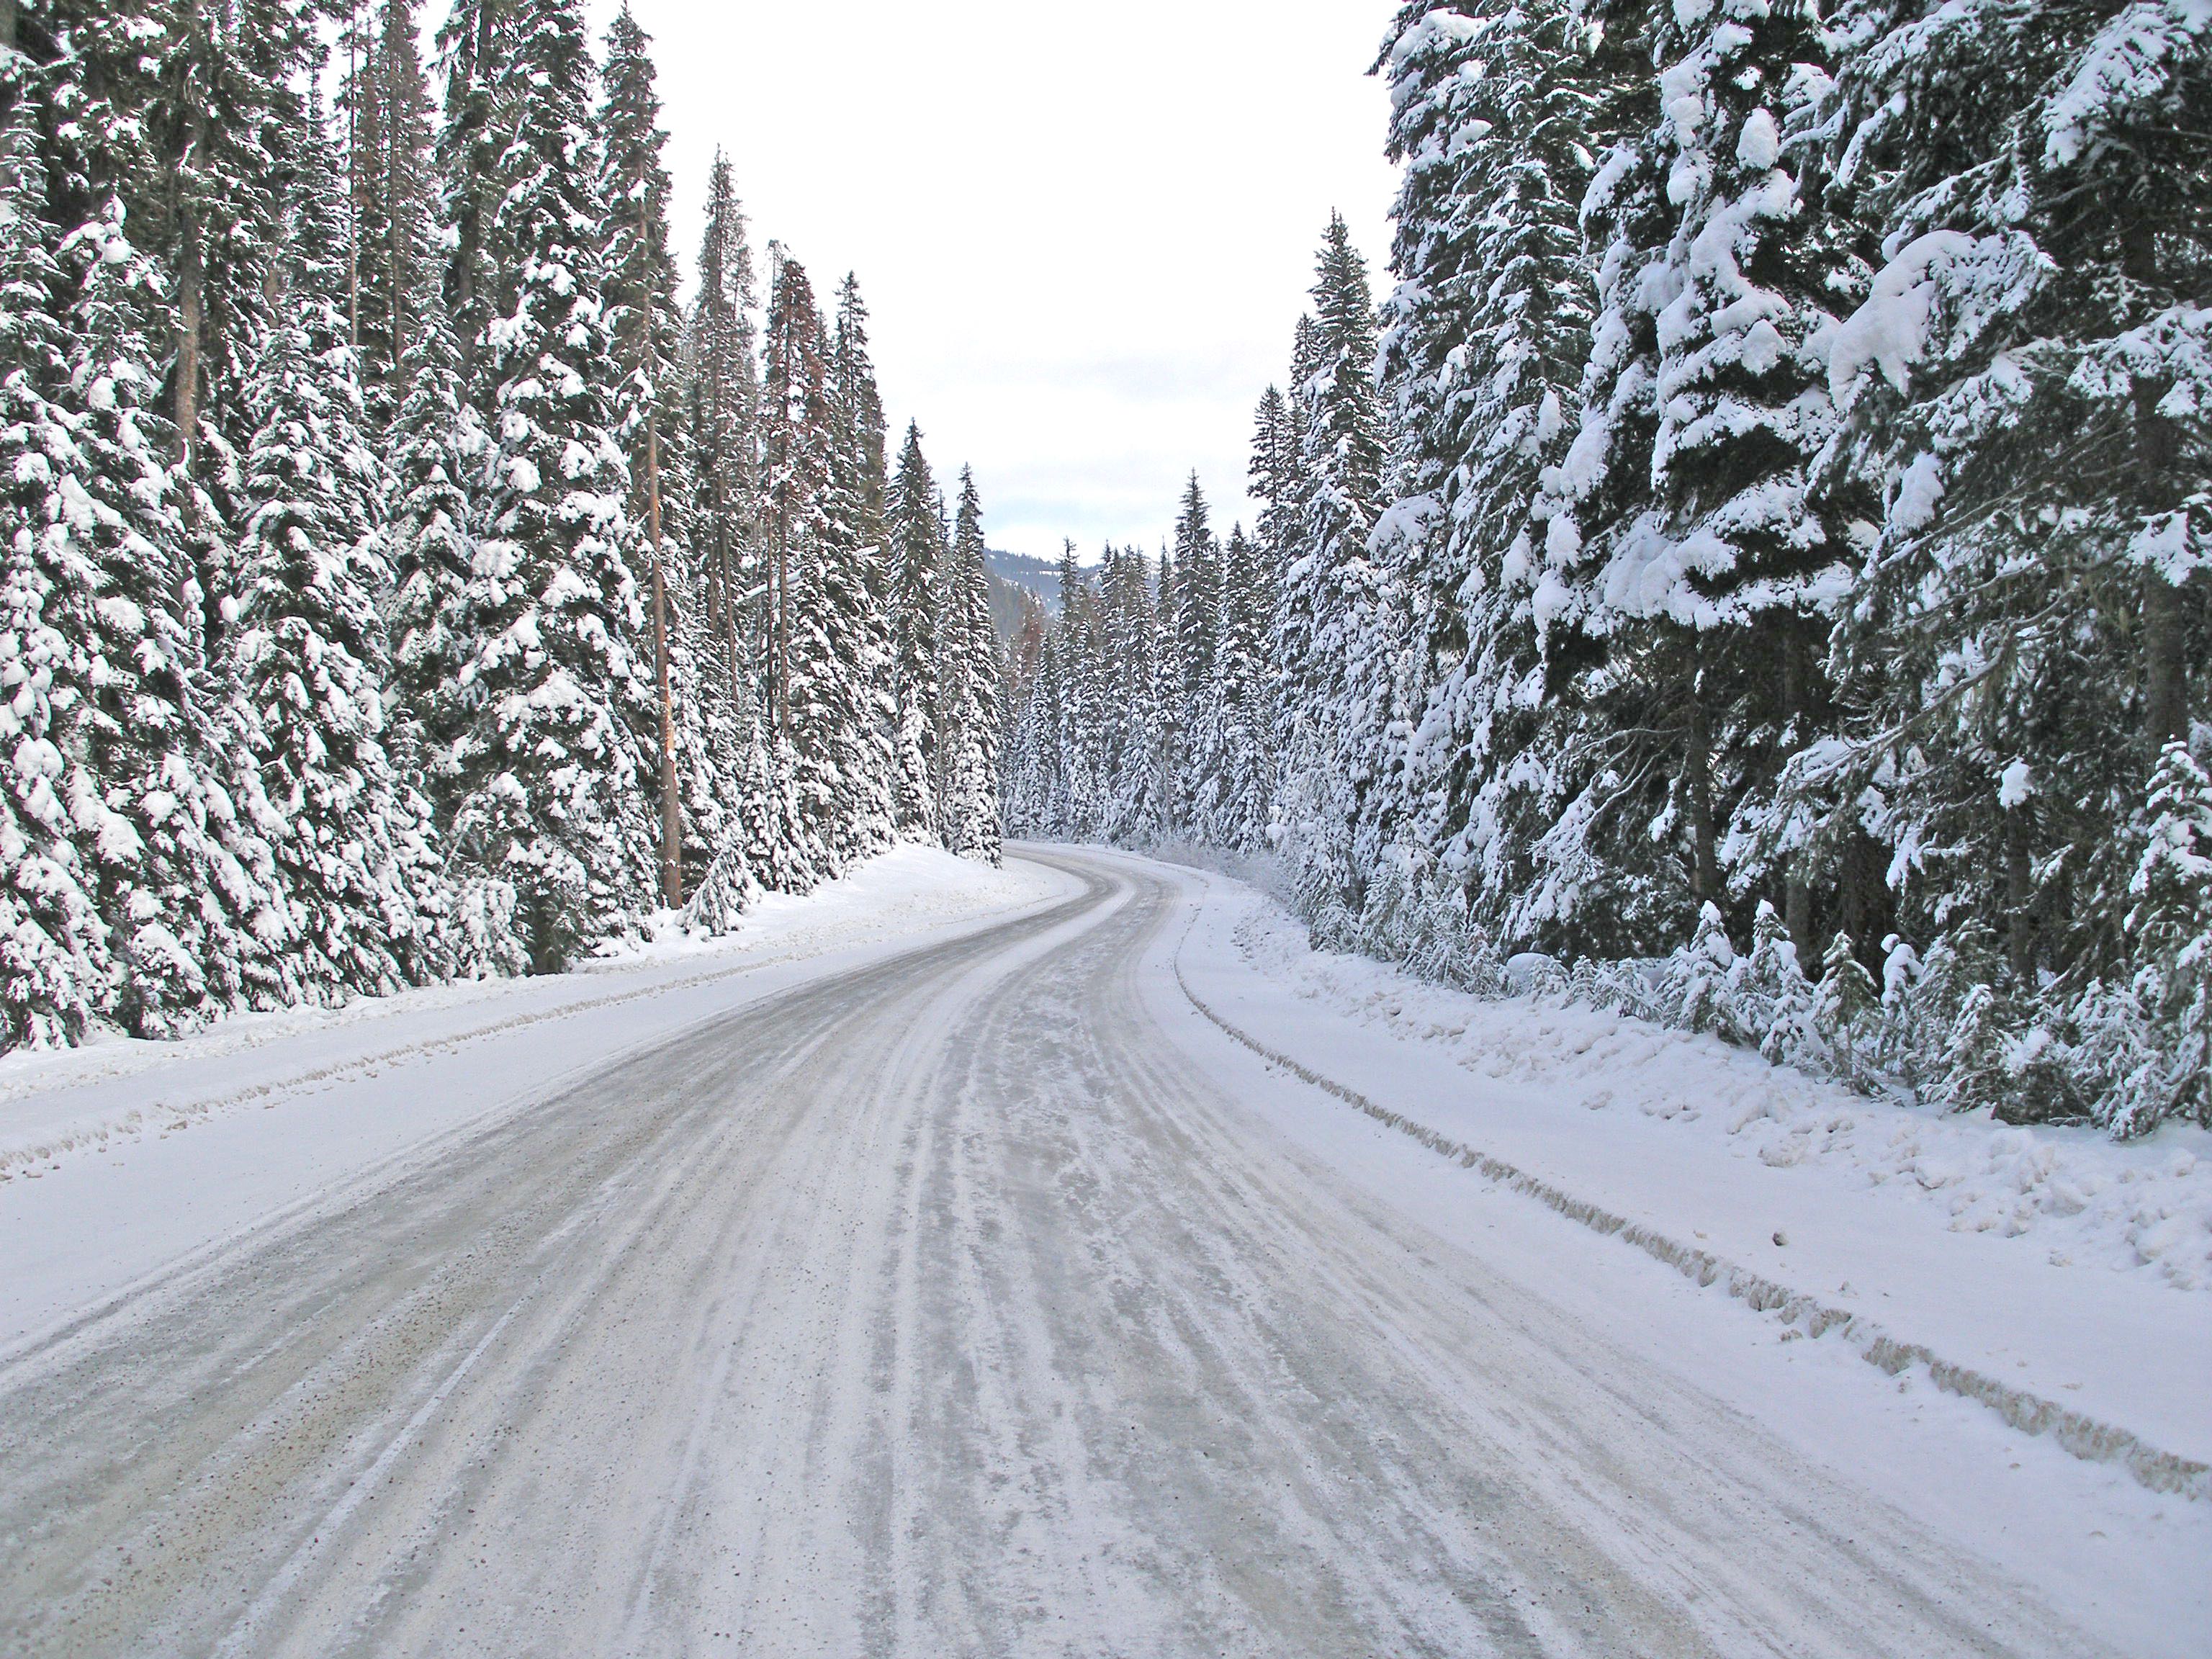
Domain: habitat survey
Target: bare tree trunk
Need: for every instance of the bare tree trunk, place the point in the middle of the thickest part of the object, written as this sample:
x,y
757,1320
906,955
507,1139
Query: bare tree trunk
x,y
729,581
2165,668
354,181
468,225
1704,869
191,300
782,642
1796,696
671,807
399,185
2019,898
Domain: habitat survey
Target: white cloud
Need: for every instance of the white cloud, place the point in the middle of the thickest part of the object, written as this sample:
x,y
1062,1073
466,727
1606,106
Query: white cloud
x,y
1084,234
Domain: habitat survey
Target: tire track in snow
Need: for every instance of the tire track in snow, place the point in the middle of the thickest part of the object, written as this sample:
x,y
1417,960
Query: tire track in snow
x,y
938,1309
2085,1436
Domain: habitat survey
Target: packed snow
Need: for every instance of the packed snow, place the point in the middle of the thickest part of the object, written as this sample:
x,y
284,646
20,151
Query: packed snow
x,y
345,1089
1092,1142
2053,1260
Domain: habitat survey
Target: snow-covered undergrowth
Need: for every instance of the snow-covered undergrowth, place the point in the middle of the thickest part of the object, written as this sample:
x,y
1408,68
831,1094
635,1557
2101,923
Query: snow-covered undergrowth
x,y
2139,1206
114,1088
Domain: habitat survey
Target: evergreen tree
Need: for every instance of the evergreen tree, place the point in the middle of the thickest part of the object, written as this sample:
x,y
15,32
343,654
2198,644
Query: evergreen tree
x,y
723,395
185,887
647,326
385,103
2023,389
1334,601
817,709
794,447
1195,730
1494,118
56,972
970,688
1247,701
550,775
307,656
920,557
476,48
305,660
438,447
2171,928
856,589
226,115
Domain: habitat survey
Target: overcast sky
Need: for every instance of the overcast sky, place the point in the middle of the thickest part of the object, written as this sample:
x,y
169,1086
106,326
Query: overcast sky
x,y
1084,233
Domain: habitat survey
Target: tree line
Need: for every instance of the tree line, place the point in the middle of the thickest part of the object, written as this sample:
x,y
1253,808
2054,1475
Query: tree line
x,y
402,580
1757,551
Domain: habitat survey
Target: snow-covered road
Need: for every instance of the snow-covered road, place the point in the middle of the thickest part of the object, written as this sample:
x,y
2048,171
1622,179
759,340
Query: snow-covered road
x,y
958,1301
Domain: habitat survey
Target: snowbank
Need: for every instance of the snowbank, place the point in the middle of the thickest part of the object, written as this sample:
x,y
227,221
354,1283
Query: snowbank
x,y
2056,1275
57,1101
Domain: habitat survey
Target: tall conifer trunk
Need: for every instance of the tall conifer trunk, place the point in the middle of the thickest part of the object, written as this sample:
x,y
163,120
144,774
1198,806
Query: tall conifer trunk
x,y
1797,891
191,288
353,177
781,645
2019,898
1697,777
671,808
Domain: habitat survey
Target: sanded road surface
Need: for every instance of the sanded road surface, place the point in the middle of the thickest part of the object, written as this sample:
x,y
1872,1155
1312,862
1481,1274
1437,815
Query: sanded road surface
x,y
941,1308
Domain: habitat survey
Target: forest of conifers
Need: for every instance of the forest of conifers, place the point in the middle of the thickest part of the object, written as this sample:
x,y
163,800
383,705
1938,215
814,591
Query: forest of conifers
x,y
1749,570
401,583
1755,557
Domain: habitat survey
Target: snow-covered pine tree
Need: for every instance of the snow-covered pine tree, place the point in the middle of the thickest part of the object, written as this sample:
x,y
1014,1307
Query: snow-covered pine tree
x,y
306,654
970,689
860,468
2025,389
2170,929
857,587
227,112
723,626
1333,604
919,556
1162,694
1689,560
1272,478
474,43
722,393
794,450
56,972
647,329
385,104
1594,881
185,885
438,447
1136,745
1085,695
814,708
1247,719
1032,782
1482,345
552,782
1752,555
181,882
1193,730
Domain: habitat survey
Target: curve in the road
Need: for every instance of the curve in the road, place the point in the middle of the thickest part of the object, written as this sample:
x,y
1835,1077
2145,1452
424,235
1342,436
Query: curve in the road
x,y
941,1307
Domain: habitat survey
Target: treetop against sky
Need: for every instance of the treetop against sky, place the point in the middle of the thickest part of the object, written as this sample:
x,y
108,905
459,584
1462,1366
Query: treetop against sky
x,y
1085,235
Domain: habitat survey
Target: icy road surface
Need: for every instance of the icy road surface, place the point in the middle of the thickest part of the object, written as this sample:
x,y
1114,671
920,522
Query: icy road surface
x,y
938,1307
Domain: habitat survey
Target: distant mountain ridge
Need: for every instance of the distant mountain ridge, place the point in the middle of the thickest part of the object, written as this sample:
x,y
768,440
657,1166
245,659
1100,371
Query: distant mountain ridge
x,y
1012,574
1039,576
